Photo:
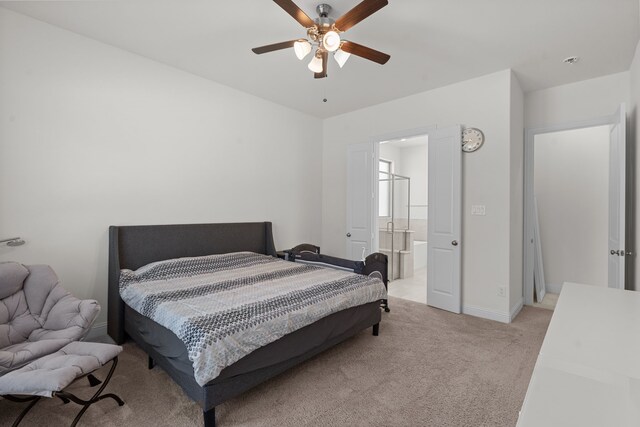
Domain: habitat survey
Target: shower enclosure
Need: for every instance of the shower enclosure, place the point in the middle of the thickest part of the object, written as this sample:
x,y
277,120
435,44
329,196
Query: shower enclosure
x,y
394,221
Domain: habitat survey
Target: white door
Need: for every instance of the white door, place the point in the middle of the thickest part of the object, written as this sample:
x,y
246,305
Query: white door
x,y
444,219
617,206
360,179
538,264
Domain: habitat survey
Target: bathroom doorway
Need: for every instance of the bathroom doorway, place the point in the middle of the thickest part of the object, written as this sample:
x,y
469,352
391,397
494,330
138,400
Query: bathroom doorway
x,y
402,214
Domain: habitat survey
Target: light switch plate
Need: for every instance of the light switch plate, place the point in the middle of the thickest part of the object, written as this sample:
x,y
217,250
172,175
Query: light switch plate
x,y
478,210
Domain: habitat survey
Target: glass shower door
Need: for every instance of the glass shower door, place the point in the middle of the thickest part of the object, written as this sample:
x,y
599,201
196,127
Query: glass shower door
x,y
394,214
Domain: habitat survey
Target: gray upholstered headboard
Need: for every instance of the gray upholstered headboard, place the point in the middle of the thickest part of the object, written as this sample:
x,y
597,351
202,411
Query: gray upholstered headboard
x,y
137,245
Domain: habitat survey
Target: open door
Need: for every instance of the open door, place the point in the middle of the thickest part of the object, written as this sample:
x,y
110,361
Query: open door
x,y
360,198
444,219
538,262
617,205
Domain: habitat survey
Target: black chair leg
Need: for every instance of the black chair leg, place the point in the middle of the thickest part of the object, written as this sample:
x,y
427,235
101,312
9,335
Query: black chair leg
x,y
151,363
209,417
95,398
33,400
93,381
376,329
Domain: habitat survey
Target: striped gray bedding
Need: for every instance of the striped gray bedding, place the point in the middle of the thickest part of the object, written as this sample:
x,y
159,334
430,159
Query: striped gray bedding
x,y
223,307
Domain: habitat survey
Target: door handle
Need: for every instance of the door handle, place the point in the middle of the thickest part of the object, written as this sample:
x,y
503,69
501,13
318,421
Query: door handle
x,y
349,235
454,243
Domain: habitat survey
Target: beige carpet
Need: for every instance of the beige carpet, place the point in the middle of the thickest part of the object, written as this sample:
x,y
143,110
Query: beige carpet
x,y
427,368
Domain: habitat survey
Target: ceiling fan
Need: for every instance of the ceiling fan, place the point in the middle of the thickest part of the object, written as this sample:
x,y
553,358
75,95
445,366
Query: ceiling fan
x,y
324,34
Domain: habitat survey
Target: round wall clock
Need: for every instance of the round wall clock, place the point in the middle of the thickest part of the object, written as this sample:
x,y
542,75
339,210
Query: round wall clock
x,y
472,139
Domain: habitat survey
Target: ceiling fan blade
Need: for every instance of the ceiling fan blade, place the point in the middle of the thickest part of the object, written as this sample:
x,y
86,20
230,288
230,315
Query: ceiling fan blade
x,y
365,52
325,61
362,11
272,47
292,9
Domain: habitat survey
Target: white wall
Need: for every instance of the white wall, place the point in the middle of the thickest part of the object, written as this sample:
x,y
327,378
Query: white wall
x,y
634,155
414,165
410,160
91,136
571,176
579,101
391,152
484,103
516,196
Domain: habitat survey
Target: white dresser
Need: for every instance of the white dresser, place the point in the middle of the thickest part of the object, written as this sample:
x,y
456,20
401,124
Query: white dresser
x,y
588,370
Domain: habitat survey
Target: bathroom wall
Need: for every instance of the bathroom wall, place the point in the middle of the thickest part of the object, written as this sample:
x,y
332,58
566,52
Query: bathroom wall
x,y
409,159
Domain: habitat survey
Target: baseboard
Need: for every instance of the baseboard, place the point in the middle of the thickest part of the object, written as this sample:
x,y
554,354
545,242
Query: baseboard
x,y
554,288
99,330
486,314
516,309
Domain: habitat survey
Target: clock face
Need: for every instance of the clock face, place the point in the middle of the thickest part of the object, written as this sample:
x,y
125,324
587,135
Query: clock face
x,y
472,139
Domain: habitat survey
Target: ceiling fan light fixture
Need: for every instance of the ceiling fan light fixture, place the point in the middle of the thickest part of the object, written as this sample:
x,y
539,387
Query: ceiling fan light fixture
x,y
302,48
341,57
331,41
324,35
316,64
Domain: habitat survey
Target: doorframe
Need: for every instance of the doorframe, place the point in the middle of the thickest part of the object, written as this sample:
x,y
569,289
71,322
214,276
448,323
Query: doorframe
x,y
375,140
529,157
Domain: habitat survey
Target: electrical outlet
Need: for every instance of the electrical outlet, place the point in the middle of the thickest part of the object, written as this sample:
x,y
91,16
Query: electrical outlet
x,y
501,291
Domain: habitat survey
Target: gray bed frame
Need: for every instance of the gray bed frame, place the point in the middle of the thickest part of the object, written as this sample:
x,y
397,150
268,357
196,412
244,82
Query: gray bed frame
x,y
132,247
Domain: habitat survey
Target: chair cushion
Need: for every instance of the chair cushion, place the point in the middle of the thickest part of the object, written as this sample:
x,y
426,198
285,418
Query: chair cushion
x,y
14,356
35,307
54,372
16,322
12,275
42,289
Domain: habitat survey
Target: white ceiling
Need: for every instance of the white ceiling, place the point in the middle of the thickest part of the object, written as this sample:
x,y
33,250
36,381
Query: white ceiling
x,y
432,43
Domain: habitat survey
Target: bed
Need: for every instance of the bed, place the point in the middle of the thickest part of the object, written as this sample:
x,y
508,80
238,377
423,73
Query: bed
x,y
132,247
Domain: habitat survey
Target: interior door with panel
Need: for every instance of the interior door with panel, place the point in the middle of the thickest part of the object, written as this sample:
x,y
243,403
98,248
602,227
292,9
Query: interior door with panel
x,y
617,206
444,225
360,200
